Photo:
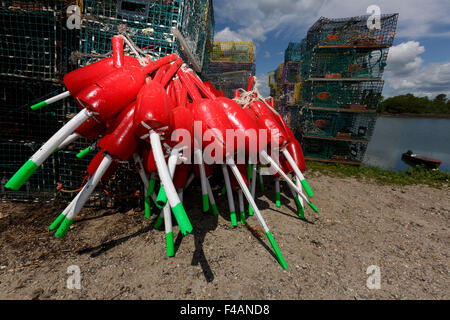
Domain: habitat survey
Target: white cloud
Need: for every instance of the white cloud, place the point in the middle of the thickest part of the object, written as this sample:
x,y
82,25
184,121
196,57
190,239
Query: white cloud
x,y
403,59
263,84
406,73
255,19
417,18
228,35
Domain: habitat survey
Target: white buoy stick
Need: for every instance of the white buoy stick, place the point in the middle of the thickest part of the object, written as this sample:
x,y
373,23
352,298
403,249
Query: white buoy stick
x,y
230,198
24,173
51,100
169,188
298,172
263,224
198,155
83,196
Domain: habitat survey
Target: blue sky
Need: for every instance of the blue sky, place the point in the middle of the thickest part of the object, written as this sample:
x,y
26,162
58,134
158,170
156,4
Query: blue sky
x,y
419,61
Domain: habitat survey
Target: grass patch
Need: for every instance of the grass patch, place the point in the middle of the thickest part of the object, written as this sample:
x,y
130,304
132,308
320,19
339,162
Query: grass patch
x,y
411,176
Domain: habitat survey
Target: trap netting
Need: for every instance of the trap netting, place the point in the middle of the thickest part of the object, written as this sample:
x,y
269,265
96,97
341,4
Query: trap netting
x,y
334,151
354,95
353,31
338,125
38,46
347,64
148,24
291,72
36,43
229,82
293,52
233,51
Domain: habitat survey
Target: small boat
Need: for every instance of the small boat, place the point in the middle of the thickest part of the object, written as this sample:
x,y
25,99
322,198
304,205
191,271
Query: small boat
x,y
417,159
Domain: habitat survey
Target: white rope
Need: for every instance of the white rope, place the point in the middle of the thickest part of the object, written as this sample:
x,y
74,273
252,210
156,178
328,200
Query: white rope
x,y
247,97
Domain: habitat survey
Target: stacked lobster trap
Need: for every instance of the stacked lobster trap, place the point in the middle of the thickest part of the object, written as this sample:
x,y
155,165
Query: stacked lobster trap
x,y
39,47
231,65
342,66
285,84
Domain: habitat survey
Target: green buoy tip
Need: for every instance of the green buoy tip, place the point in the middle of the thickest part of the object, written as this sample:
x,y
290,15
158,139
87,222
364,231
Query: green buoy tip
x,y
242,217
182,219
161,199
169,244
158,222
151,186
313,207
215,210
21,176
277,250
57,222
278,199
205,200
38,106
250,171
307,188
233,219
83,153
63,228
147,211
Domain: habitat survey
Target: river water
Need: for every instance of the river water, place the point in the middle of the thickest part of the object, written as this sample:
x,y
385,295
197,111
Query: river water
x,y
393,136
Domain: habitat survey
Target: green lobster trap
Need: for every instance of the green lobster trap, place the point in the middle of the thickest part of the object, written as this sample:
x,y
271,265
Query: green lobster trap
x,y
352,95
36,43
334,151
352,31
292,53
291,72
149,24
337,125
348,64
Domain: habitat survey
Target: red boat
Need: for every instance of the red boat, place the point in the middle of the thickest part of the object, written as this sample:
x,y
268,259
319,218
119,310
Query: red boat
x,y
416,159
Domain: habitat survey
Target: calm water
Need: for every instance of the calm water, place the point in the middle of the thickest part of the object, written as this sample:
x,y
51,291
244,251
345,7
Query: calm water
x,y
393,136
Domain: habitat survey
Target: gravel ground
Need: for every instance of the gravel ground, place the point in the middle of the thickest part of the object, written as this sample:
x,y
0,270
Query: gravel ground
x,y
402,230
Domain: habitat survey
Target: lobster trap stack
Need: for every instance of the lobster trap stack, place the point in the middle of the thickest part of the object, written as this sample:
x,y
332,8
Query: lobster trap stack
x,y
34,56
231,65
149,24
342,64
287,85
276,88
39,47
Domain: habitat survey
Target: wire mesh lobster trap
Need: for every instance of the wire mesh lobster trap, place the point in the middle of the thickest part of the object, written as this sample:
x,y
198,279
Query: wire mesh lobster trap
x,y
291,72
148,24
229,82
334,151
231,66
347,64
233,51
337,125
293,52
38,49
35,41
352,95
353,31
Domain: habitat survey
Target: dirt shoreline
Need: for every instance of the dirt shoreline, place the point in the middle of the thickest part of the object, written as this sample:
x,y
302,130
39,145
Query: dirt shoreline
x,y
403,230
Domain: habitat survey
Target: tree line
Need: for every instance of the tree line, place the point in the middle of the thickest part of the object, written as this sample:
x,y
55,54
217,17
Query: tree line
x,y
409,103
